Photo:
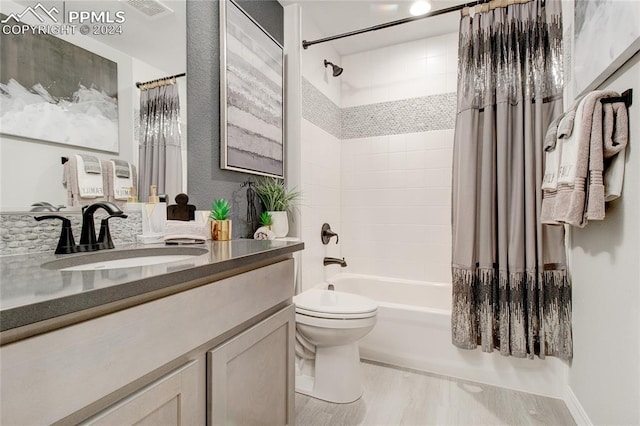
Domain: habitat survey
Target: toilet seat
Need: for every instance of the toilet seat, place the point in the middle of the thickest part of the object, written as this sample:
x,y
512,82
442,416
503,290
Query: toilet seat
x,y
336,323
334,305
327,315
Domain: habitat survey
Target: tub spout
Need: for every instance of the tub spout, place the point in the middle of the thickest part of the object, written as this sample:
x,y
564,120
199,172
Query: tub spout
x,y
334,261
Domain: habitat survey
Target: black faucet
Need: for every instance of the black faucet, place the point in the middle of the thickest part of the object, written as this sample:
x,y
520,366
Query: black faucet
x,y
334,261
88,235
66,243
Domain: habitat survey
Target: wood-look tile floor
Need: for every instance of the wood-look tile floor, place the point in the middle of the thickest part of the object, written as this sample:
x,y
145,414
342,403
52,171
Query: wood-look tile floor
x,y
394,396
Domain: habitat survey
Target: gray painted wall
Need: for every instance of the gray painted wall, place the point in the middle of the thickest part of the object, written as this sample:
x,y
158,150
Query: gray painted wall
x,y
205,180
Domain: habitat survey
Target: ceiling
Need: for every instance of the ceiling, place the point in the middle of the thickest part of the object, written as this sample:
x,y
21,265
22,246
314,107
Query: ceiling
x,y
333,17
159,41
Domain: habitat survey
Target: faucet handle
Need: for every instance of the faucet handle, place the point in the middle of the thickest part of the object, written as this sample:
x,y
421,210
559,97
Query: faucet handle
x,y
104,239
326,234
66,243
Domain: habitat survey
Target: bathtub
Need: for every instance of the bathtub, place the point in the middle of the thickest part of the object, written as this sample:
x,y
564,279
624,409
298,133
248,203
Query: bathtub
x,y
414,330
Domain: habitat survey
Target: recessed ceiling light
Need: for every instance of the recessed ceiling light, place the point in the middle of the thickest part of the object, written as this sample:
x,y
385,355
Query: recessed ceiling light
x,y
420,8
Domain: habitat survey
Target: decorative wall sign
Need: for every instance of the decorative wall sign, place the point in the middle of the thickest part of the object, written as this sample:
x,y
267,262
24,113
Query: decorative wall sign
x,y
55,91
251,95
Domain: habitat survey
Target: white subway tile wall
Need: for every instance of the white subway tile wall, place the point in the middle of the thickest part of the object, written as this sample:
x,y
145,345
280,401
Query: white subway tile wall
x,y
409,70
396,177
321,165
396,219
383,180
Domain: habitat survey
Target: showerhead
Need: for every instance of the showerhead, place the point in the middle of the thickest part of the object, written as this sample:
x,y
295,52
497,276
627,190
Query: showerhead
x,y
336,69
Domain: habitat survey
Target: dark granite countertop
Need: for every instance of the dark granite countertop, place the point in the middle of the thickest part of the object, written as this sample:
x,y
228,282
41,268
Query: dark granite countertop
x,y
30,293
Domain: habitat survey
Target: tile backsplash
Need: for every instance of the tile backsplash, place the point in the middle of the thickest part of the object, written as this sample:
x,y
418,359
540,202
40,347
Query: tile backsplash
x,y
320,110
20,233
422,114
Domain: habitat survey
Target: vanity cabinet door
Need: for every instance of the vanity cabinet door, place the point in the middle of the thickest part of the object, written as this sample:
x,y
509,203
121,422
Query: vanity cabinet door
x,y
251,377
171,400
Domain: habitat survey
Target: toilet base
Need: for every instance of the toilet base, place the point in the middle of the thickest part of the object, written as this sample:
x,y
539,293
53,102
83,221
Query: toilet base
x,y
337,377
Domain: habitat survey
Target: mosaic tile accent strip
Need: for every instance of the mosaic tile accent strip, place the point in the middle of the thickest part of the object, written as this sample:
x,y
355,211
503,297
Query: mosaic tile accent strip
x,y
436,112
21,234
320,110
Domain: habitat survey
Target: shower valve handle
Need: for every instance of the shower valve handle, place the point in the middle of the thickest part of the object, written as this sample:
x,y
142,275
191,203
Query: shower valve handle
x,y
326,234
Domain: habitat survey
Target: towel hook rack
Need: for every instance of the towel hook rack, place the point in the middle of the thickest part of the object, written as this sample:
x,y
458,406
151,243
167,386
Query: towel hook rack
x,y
626,97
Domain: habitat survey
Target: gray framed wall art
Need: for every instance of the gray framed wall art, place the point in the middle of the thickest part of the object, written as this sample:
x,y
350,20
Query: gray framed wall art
x,y
251,95
52,90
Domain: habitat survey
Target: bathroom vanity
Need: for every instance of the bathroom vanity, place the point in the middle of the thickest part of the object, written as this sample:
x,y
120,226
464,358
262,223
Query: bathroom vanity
x,y
203,340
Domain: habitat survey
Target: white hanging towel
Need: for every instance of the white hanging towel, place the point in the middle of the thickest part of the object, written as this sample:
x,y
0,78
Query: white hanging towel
x,y
122,174
570,145
89,171
553,153
616,137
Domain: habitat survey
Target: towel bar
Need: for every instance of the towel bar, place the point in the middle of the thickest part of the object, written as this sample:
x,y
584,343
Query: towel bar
x,y
626,97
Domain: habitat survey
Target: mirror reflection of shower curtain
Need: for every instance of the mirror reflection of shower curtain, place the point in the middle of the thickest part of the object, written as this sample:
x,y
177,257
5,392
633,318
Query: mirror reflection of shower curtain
x,y
511,291
160,151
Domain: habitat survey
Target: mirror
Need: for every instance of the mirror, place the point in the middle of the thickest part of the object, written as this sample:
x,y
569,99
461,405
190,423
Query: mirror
x,y
146,40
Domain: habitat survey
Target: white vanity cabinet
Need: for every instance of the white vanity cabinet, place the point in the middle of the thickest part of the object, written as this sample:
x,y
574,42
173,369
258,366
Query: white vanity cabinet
x,y
250,379
170,400
225,346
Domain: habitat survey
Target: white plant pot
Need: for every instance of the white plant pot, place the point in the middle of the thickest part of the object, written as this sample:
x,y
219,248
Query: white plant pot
x,y
279,224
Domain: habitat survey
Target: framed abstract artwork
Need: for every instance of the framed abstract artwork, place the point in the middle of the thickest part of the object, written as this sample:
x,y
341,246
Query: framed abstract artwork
x,y
606,35
55,91
251,95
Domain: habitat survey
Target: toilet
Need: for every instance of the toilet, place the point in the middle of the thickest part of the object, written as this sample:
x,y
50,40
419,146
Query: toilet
x,y
329,325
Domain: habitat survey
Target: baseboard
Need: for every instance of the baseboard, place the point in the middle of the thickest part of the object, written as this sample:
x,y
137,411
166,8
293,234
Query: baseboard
x,y
575,408
458,369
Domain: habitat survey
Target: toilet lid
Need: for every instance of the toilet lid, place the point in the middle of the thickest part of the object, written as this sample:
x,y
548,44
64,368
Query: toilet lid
x,y
331,302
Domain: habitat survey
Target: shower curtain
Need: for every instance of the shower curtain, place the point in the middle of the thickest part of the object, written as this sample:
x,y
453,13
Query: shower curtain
x,y
510,286
160,150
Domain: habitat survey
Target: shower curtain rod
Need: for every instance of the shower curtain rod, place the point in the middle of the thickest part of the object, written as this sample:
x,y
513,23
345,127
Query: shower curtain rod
x,y
496,3
171,77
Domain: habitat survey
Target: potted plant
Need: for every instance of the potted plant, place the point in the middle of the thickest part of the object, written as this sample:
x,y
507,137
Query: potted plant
x,y
277,200
220,222
266,220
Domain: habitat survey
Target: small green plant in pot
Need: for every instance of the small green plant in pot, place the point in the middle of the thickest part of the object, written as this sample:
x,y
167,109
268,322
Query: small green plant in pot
x,y
277,200
266,220
220,222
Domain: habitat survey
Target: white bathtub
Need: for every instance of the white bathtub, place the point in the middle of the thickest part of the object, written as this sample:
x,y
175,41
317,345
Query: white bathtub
x,y
414,330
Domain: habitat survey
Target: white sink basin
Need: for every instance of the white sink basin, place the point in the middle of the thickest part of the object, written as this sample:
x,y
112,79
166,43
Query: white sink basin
x,y
117,259
127,263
